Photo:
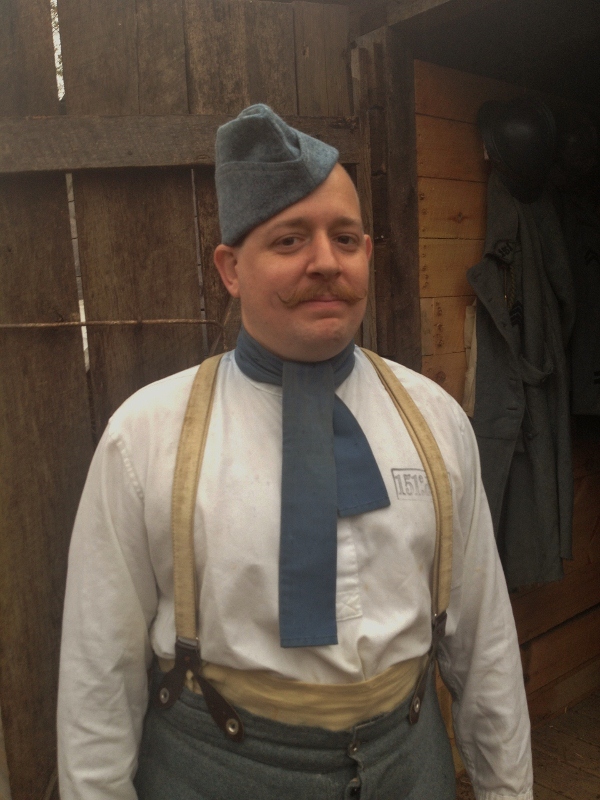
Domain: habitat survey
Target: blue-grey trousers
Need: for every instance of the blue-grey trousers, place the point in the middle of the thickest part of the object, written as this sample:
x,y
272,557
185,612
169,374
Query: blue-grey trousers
x,y
185,756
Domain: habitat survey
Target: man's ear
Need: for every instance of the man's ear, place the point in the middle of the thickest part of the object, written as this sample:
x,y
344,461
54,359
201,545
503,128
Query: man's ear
x,y
226,262
368,246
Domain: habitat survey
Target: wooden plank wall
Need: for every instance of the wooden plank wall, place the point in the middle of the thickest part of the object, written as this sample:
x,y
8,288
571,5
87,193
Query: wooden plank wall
x,y
45,431
139,249
558,623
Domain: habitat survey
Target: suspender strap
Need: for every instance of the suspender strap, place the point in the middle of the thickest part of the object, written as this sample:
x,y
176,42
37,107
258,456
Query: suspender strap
x,y
435,469
185,487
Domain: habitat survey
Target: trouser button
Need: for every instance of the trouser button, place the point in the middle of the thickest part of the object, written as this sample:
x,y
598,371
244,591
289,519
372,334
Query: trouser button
x,y
354,787
353,748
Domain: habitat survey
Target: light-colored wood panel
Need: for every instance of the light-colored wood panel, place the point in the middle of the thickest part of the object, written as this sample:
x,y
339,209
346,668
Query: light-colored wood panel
x,y
567,690
443,265
451,209
549,605
448,370
449,149
561,649
443,323
452,94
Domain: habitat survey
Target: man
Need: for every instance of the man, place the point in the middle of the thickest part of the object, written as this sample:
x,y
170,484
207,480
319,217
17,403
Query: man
x,y
314,539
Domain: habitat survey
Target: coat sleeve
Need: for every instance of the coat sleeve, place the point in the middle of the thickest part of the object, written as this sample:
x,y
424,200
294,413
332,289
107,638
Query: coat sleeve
x,y
479,659
105,651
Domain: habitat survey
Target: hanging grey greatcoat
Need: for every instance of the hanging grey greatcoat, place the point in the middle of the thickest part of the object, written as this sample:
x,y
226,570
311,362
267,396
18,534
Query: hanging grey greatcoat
x,y
521,416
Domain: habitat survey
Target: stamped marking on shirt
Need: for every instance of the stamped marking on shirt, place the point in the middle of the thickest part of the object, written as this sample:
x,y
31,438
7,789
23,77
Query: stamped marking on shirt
x,y
411,484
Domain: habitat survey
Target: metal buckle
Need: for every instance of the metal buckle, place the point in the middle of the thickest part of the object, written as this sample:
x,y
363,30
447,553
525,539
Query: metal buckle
x,y
438,629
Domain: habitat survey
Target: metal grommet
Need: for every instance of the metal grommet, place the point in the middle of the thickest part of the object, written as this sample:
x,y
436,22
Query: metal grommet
x,y
352,748
232,726
417,705
164,695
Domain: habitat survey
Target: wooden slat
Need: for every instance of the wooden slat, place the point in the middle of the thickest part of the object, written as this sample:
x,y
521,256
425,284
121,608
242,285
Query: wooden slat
x,y
451,209
549,605
564,648
99,53
430,12
448,370
270,62
452,94
27,76
161,58
586,523
216,52
45,430
443,265
590,707
321,34
586,457
138,260
449,149
443,324
568,689
64,143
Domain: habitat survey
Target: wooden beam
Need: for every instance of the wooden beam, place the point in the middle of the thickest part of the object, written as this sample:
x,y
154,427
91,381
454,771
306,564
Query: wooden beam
x,y
47,144
431,12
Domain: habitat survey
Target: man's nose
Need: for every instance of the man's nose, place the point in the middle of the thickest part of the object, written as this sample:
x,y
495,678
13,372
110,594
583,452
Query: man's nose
x,y
324,260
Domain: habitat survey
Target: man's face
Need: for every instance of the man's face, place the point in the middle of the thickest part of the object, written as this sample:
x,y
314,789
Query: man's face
x,y
302,276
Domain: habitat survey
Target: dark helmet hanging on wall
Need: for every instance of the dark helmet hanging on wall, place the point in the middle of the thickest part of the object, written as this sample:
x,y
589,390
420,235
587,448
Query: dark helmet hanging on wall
x,y
520,139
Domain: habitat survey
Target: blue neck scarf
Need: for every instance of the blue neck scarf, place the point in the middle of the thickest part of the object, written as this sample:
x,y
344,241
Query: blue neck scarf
x,y
328,470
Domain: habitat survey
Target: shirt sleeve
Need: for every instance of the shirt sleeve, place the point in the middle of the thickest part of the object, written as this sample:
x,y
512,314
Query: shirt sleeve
x,y
110,602
480,659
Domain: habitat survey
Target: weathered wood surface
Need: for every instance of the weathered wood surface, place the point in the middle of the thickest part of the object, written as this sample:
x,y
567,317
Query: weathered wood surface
x,y
427,13
45,431
451,94
76,143
443,265
451,209
138,260
443,323
449,149
162,87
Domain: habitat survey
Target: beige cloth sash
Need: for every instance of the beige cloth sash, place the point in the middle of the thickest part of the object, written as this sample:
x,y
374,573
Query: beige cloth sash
x,y
336,707
332,706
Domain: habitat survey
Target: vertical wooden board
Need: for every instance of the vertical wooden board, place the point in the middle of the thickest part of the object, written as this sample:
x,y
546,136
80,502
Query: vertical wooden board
x,y
161,57
452,94
27,76
99,52
402,198
586,522
311,59
448,370
322,64
449,149
443,265
270,61
216,53
451,209
138,260
46,444
337,62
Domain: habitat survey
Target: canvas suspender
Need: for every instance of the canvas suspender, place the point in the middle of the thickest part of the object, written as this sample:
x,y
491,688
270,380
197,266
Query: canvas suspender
x,y
185,486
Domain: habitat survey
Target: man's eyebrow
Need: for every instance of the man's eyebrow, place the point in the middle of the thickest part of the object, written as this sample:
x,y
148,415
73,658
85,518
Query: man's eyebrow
x,y
301,222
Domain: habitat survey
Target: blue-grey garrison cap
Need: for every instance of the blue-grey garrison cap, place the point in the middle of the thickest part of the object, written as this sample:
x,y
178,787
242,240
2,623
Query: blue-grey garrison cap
x,y
263,166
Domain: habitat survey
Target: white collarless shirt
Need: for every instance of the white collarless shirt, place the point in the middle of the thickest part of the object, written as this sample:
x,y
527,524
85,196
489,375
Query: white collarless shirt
x,y
119,604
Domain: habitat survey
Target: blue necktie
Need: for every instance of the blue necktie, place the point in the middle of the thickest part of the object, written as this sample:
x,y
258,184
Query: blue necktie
x,y
328,470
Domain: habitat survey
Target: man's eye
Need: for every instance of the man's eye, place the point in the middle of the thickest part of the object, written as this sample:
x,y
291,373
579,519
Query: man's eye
x,y
346,239
288,241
